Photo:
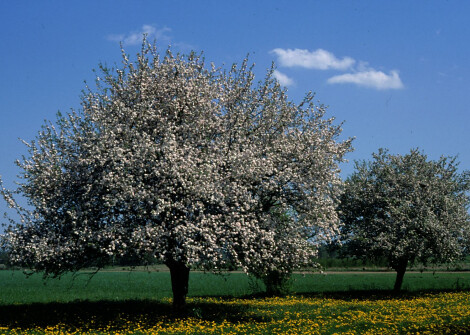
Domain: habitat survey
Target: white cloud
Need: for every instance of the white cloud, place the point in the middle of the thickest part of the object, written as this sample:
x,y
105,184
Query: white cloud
x,y
135,37
283,79
319,59
361,73
370,78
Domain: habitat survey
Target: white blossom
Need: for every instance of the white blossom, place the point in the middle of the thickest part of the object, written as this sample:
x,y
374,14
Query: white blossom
x,y
185,163
407,209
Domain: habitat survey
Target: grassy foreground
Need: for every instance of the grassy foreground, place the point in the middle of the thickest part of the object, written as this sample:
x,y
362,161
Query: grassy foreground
x,y
438,313
138,303
16,288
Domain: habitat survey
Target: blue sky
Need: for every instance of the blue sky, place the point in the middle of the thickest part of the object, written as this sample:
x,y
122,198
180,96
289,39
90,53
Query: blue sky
x,y
397,72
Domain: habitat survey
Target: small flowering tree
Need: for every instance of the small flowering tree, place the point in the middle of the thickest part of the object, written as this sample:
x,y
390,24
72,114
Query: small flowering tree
x,y
406,209
187,164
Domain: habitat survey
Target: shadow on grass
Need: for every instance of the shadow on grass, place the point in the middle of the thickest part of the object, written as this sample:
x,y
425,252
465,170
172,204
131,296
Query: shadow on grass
x,y
100,314
95,315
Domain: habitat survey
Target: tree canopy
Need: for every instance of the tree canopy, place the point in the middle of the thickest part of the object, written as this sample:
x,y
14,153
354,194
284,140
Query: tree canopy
x,y
406,208
187,163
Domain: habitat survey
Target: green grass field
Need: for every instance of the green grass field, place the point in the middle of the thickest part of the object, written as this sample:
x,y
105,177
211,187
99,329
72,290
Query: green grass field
x,y
16,288
138,302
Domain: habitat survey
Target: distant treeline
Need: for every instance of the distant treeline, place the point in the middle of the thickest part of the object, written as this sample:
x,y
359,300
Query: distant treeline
x,y
336,256
4,261
329,257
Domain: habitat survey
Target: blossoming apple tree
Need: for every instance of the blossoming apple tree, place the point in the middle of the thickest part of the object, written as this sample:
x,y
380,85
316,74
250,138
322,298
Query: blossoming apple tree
x,y
183,162
407,209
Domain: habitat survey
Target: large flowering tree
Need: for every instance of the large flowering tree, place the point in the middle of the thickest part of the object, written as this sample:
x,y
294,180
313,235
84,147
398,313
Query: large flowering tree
x,y
407,209
189,164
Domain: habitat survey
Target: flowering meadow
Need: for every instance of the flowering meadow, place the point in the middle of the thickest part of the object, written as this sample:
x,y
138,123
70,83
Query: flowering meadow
x,y
138,302
429,313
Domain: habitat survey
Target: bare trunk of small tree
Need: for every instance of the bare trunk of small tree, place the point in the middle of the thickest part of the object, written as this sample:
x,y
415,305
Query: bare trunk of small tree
x,y
179,273
401,269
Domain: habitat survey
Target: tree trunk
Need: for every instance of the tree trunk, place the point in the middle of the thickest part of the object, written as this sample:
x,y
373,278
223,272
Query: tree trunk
x,y
179,273
401,269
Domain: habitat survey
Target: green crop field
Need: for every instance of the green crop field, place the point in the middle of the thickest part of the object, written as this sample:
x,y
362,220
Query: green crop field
x,y
122,285
138,302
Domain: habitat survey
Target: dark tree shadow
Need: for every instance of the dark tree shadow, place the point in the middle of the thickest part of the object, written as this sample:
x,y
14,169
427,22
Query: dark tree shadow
x,y
100,314
96,315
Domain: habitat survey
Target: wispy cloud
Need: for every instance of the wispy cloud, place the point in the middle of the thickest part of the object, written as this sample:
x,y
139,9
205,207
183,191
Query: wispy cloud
x,y
318,59
283,79
370,78
135,37
360,73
